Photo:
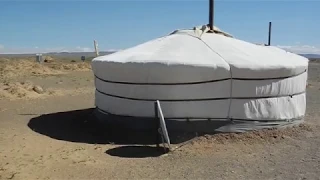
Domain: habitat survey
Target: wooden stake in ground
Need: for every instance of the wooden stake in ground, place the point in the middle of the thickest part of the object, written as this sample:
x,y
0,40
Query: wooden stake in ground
x,y
96,48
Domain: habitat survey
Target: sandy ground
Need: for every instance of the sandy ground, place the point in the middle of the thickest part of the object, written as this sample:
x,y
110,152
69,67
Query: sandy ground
x,y
47,131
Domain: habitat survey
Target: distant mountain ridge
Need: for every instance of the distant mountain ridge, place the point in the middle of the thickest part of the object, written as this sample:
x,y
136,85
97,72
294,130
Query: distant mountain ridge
x,y
62,54
87,54
311,56
102,53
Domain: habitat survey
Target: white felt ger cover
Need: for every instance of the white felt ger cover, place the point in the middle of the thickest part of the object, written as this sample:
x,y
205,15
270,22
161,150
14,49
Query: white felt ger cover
x,y
204,76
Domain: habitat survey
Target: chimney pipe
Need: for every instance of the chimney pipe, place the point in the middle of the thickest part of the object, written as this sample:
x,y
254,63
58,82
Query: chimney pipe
x,y
269,37
211,14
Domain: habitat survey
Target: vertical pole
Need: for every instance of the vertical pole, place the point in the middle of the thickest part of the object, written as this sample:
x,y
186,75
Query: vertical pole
x,y
211,14
39,58
157,123
96,48
269,37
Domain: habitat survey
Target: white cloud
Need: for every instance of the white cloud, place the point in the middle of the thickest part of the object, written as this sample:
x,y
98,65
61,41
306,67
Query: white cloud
x,y
113,50
84,49
301,49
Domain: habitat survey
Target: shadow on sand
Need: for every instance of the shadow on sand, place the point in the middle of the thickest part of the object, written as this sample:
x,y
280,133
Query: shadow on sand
x,y
136,151
82,126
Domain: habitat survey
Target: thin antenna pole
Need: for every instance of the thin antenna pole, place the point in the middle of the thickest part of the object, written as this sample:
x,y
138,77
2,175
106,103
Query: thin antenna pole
x,y
211,14
269,37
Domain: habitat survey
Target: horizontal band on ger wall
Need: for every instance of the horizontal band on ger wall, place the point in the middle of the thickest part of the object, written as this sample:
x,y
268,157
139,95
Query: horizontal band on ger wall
x,y
200,82
206,99
205,118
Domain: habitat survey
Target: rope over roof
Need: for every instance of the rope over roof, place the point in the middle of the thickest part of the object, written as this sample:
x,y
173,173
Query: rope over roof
x,y
199,30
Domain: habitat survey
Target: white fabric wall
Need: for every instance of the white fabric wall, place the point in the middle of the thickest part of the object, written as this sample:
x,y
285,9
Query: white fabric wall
x,y
177,109
272,87
279,108
220,89
275,107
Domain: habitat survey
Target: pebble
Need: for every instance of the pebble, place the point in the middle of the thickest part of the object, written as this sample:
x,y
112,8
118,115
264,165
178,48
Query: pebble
x,y
38,89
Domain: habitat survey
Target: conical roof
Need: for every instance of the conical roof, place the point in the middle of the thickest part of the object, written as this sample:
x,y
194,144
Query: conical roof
x,y
218,54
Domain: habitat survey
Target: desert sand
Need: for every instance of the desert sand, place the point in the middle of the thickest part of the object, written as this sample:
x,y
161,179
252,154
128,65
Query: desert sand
x,y
47,131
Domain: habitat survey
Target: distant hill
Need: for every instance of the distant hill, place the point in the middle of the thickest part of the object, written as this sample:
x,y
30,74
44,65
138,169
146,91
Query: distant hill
x,y
102,53
73,54
62,54
311,56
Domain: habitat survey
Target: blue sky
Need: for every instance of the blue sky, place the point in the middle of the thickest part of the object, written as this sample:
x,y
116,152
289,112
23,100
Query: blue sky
x,y
72,25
